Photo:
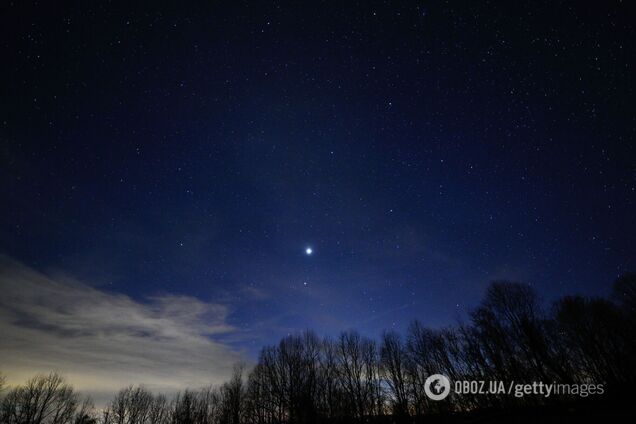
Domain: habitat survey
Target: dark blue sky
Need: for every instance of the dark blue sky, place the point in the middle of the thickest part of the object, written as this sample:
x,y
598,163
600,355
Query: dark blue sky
x,y
421,149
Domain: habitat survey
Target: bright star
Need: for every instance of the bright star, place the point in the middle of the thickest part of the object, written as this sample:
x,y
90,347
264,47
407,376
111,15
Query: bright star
x,y
309,251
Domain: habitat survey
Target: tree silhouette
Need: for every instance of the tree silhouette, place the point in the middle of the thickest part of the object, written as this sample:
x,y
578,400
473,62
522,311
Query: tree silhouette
x,y
352,378
42,400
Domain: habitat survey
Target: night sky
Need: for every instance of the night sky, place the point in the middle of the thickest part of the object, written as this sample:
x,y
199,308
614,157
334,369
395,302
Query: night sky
x,y
420,149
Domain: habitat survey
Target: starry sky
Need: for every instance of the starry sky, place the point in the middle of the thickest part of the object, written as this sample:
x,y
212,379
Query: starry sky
x,y
188,155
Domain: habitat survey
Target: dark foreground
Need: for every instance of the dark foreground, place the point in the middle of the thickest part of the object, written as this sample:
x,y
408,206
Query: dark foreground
x,y
586,411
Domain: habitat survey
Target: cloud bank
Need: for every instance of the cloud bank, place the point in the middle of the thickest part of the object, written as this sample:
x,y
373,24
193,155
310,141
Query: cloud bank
x,y
104,341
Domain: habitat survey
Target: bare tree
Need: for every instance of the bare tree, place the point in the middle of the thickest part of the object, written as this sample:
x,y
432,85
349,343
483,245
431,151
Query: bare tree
x,y
358,367
331,391
159,410
131,405
86,413
184,408
510,325
430,352
394,367
597,339
42,400
305,380
233,395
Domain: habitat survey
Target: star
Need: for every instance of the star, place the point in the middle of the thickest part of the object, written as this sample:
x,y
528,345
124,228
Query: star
x,y
309,251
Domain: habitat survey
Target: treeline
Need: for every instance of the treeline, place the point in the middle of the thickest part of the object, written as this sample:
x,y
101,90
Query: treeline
x,y
352,378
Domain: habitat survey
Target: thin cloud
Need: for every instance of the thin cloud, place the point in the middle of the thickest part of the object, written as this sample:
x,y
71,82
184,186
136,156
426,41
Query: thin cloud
x,y
104,341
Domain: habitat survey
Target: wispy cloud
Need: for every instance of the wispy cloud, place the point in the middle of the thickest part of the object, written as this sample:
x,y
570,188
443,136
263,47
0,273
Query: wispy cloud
x,y
103,341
